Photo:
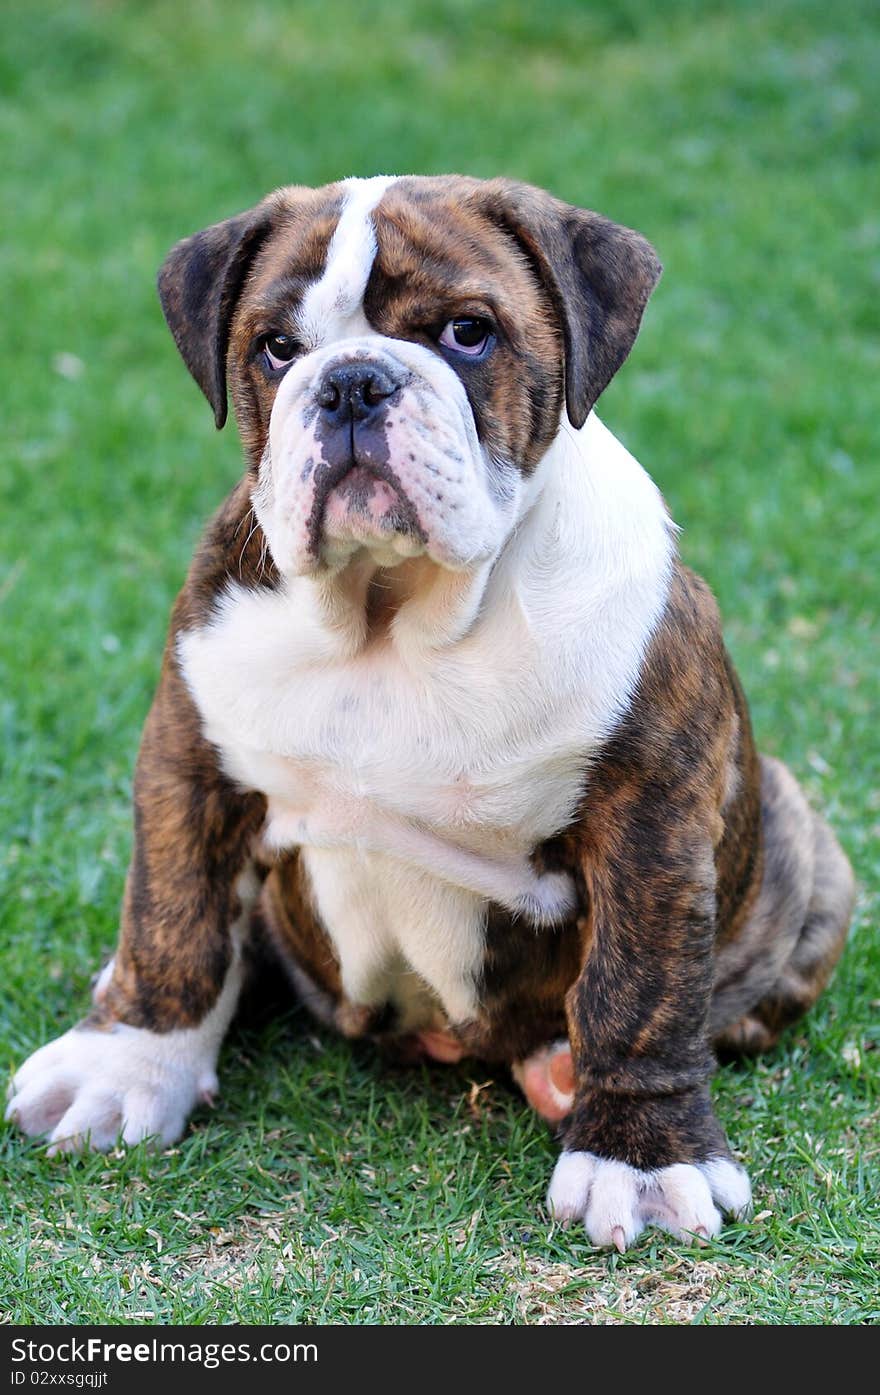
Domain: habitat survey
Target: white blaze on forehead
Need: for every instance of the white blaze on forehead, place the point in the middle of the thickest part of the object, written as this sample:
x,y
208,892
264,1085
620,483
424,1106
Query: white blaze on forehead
x,y
338,296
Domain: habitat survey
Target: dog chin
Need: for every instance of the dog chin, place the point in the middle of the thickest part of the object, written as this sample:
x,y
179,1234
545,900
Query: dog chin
x,y
387,549
390,549
353,538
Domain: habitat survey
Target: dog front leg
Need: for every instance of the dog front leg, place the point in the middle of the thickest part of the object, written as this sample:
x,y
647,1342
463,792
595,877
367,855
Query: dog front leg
x,y
147,1053
642,1144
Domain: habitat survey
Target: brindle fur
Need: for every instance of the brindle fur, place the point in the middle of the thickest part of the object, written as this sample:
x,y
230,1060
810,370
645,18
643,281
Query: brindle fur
x,y
713,903
713,906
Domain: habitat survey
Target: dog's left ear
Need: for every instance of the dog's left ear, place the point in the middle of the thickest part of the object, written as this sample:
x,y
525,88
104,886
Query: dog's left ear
x,y
598,275
199,285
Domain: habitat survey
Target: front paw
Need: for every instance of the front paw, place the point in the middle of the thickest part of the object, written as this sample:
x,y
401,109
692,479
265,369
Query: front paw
x,y
91,1087
616,1201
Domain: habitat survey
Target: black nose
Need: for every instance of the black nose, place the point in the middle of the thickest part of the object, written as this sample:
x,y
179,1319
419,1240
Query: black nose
x,y
354,391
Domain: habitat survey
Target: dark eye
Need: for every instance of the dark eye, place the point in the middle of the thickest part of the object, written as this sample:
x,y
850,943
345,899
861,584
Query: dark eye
x,y
279,349
468,335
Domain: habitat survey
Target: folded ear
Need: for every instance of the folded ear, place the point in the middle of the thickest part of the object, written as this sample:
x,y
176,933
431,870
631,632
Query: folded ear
x,y
199,284
598,275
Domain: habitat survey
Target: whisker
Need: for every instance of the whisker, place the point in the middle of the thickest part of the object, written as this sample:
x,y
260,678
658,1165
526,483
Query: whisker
x,y
243,521
246,541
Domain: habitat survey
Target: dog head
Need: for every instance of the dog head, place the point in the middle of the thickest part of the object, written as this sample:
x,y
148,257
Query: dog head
x,y
400,352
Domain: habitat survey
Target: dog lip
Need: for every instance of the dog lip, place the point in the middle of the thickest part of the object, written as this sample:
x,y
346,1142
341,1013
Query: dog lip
x,y
362,460
364,472
358,481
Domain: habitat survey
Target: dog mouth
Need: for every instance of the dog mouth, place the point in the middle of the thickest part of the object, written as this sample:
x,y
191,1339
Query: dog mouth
x,y
363,495
363,503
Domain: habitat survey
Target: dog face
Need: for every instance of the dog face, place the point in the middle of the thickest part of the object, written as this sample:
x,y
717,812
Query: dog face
x,y
400,352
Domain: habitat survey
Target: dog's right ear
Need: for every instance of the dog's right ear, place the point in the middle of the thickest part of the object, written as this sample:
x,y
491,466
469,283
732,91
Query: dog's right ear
x,y
199,285
598,275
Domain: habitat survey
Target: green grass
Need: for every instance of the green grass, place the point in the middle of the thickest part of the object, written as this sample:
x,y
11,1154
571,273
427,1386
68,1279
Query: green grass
x,y
742,139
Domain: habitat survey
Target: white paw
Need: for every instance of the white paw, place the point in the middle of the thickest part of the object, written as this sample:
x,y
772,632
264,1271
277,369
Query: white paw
x,y
91,1087
616,1201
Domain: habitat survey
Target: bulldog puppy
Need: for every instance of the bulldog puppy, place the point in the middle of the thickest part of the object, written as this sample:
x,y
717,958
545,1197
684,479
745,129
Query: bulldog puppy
x,y
443,716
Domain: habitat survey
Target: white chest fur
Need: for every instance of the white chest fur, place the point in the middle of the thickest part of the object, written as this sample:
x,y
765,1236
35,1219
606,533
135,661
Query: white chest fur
x,y
418,779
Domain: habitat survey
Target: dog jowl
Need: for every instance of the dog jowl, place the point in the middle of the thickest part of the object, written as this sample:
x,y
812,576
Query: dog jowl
x,y
442,716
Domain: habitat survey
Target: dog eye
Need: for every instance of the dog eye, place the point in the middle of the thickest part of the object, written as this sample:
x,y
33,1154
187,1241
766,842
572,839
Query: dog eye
x,y
468,335
279,349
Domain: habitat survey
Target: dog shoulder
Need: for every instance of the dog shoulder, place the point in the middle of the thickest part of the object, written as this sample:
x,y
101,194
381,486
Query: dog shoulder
x,y
685,683
678,722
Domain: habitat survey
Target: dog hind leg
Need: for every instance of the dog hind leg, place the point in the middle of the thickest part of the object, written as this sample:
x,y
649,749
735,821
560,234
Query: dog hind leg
x,y
784,957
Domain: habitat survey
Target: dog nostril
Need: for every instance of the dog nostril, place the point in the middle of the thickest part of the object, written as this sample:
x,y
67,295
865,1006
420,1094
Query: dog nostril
x,y
329,396
376,388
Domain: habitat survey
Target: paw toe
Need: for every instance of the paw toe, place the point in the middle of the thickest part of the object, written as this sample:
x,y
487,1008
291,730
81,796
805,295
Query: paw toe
x,y
613,1216
38,1105
148,1115
91,1122
729,1185
678,1199
569,1190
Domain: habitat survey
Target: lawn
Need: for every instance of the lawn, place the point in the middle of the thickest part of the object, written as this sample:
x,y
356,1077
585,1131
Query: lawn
x,y
742,138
